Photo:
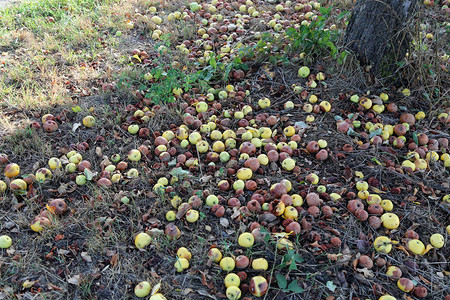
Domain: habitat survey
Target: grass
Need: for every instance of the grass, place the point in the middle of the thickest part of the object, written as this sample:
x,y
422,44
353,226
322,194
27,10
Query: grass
x,y
53,51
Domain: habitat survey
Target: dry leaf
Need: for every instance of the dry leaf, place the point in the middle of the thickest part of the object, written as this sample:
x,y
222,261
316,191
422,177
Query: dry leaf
x,y
27,284
98,151
114,259
366,272
224,222
187,291
86,257
155,288
63,252
75,126
51,286
75,280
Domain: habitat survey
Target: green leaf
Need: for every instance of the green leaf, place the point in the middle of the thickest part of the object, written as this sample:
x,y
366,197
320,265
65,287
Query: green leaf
x,y
298,258
294,287
414,136
76,109
293,265
281,280
179,172
342,15
89,175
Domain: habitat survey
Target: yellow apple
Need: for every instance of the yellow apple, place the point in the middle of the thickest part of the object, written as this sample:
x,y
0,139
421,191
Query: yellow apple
x,y
142,240
390,220
382,244
233,293
246,240
89,121
227,264
181,264
232,280
437,240
215,255
260,264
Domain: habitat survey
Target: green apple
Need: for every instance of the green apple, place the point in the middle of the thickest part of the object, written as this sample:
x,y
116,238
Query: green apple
x,y
134,155
224,157
54,163
115,158
192,216
142,289
211,200
5,241
304,72
81,180
194,6
71,168
133,173
201,106
133,128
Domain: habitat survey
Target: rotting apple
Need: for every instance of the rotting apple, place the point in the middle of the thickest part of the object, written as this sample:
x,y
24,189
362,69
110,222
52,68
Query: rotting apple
x,y
12,170
40,223
258,286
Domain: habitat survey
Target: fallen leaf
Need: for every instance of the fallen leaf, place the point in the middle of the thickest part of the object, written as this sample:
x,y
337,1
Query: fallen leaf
x,y
75,126
27,284
206,294
331,286
86,257
366,272
51,286
224,222
156,288
114,260
187,291
75,280
63,252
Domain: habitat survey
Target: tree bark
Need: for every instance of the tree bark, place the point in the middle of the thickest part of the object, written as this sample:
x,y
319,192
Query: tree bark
x,y
377,33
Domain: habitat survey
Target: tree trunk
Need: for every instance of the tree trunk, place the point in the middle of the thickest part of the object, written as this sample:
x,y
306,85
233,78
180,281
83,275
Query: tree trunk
x,y
377,33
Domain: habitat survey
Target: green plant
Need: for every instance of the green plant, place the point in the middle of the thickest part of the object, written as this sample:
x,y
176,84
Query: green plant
x,y
315,39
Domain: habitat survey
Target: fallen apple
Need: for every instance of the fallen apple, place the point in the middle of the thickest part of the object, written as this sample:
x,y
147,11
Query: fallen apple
x,y
304,72
43,175
181,264
233,293
89,121
246,240
260,264
227,264
5,242
142,240
142,289
40,223
258,286
12,170
215,254
18,185
232,280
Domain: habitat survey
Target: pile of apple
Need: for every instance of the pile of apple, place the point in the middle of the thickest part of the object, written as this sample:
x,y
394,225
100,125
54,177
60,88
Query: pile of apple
x,y
222,27
423,150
